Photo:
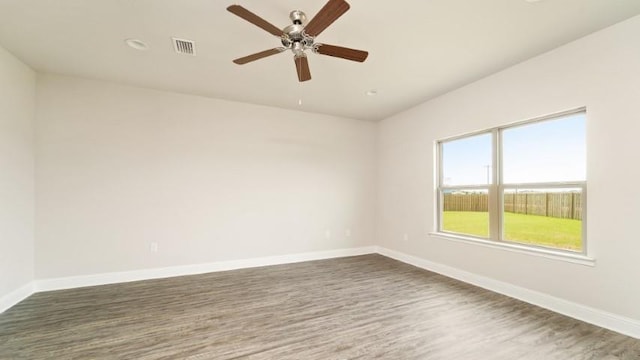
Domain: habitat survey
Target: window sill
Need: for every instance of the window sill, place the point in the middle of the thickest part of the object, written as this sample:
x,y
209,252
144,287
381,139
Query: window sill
x,y
522,249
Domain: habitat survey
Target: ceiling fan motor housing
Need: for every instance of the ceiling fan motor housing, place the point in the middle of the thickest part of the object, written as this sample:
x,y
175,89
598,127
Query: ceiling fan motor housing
x,y
294,37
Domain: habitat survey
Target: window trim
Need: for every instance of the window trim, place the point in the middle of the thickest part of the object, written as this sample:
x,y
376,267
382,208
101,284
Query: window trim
x,y
496,190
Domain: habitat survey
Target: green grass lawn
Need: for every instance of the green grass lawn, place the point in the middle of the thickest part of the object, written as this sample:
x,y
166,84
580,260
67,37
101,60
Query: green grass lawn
x,y
528,229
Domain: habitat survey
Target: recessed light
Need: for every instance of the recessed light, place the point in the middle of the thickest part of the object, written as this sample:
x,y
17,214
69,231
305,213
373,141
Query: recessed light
x,y
372,92
533,1
137,44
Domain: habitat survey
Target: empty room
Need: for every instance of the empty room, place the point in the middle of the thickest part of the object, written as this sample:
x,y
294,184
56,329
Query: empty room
x,y
322,179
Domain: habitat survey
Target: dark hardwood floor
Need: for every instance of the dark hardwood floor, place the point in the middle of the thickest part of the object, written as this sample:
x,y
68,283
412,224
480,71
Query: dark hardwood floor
x,y
365,307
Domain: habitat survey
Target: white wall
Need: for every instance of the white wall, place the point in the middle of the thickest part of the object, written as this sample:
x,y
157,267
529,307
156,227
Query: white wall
x,y
601,72
120,167
17,103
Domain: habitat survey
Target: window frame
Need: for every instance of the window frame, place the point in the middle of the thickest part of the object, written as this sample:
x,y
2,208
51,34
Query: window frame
x,y
496,189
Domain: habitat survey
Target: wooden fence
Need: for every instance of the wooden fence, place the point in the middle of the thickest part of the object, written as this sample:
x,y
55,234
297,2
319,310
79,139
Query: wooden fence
x,y
565,205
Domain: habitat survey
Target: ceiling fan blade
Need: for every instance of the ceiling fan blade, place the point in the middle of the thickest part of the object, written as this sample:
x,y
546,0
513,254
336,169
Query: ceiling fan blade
x,y
341,52
254,19
329,13
302,68
257,56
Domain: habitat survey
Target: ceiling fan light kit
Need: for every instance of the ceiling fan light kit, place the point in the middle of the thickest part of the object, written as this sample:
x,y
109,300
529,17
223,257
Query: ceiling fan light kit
x,y
300,36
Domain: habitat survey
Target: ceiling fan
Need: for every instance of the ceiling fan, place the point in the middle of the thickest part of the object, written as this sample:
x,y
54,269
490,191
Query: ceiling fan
x,y
300,36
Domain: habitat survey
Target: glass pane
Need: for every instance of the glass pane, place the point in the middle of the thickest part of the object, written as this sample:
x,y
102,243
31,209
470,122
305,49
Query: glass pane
x,y
466,212
467,161
544,217
546,151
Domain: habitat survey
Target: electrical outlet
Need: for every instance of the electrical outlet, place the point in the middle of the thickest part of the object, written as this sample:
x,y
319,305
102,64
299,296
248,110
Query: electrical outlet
x,y
153,247
327,233
405,237
347,233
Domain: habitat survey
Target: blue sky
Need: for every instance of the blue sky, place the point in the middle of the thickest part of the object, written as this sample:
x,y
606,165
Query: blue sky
x,y
546,151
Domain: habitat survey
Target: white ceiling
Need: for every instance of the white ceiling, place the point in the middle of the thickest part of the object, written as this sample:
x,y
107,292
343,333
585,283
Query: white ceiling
x,y
418,48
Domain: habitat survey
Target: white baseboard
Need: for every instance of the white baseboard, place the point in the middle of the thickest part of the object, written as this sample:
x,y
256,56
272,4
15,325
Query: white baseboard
x,y
157,273
621,324
16,296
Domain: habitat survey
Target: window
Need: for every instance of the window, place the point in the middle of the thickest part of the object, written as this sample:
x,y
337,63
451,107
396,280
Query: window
x,y
524,183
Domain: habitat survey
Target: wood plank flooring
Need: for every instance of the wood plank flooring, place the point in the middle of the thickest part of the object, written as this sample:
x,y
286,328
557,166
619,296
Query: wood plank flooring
x,y
364,307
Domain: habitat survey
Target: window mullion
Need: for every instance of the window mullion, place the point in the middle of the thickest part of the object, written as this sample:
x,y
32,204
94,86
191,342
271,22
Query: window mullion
x,y
439,185
494,188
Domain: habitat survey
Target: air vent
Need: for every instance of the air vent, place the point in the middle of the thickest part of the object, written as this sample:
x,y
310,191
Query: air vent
x,y
183,46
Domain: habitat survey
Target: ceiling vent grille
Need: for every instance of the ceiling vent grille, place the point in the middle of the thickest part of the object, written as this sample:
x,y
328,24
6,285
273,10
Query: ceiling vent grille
x,y
183,46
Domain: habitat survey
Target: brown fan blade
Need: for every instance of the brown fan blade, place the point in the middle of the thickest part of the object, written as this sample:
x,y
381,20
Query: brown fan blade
x,y
329,13
302,67
257,56
254,19
341,52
